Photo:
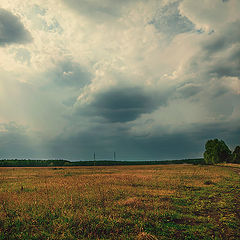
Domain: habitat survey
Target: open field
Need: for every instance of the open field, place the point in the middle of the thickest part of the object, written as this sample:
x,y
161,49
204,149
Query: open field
x,y
120,202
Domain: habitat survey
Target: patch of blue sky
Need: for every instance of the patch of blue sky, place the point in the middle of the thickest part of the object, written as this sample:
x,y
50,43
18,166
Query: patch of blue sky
x,y
54,26
169,21
39,10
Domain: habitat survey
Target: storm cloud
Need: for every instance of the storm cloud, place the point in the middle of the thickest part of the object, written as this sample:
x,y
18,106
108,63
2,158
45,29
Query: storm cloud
x,y
12,30
146,79
124,104
178,145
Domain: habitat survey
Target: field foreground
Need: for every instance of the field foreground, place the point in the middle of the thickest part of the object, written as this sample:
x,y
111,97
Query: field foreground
x,y
120,202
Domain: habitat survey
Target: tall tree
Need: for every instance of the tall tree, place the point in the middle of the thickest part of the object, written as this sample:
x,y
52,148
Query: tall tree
x,y
216,151
236,155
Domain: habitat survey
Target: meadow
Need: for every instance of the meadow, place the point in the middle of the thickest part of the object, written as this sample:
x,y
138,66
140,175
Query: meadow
x,y
120,202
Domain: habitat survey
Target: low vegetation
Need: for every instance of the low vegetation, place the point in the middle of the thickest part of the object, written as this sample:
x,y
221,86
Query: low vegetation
x,y
60,163
120,202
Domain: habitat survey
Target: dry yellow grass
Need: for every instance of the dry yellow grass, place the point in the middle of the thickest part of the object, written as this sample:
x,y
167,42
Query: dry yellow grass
x,y
59,187
81,194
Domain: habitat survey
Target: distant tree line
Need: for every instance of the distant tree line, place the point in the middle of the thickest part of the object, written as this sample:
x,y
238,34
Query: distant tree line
x,y
217,152
112,163
33,163
60,163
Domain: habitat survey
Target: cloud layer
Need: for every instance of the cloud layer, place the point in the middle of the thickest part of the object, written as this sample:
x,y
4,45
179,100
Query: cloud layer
x,y
147,79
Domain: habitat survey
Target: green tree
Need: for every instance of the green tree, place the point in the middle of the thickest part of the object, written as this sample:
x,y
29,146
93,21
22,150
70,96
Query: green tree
x,y
236,155
216,151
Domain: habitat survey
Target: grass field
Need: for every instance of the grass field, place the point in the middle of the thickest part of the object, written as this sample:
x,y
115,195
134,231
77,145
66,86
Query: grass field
x,y
120,202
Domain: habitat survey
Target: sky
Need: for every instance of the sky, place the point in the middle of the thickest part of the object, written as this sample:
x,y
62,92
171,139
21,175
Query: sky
x,y
147,79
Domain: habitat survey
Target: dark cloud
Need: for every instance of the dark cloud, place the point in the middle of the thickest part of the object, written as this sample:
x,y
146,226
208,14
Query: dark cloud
x,y
159,147
12,30
169,20
226,65
228,131
81,145
226,69
223,39
124,104
126,146
219,55
106,139
216,45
